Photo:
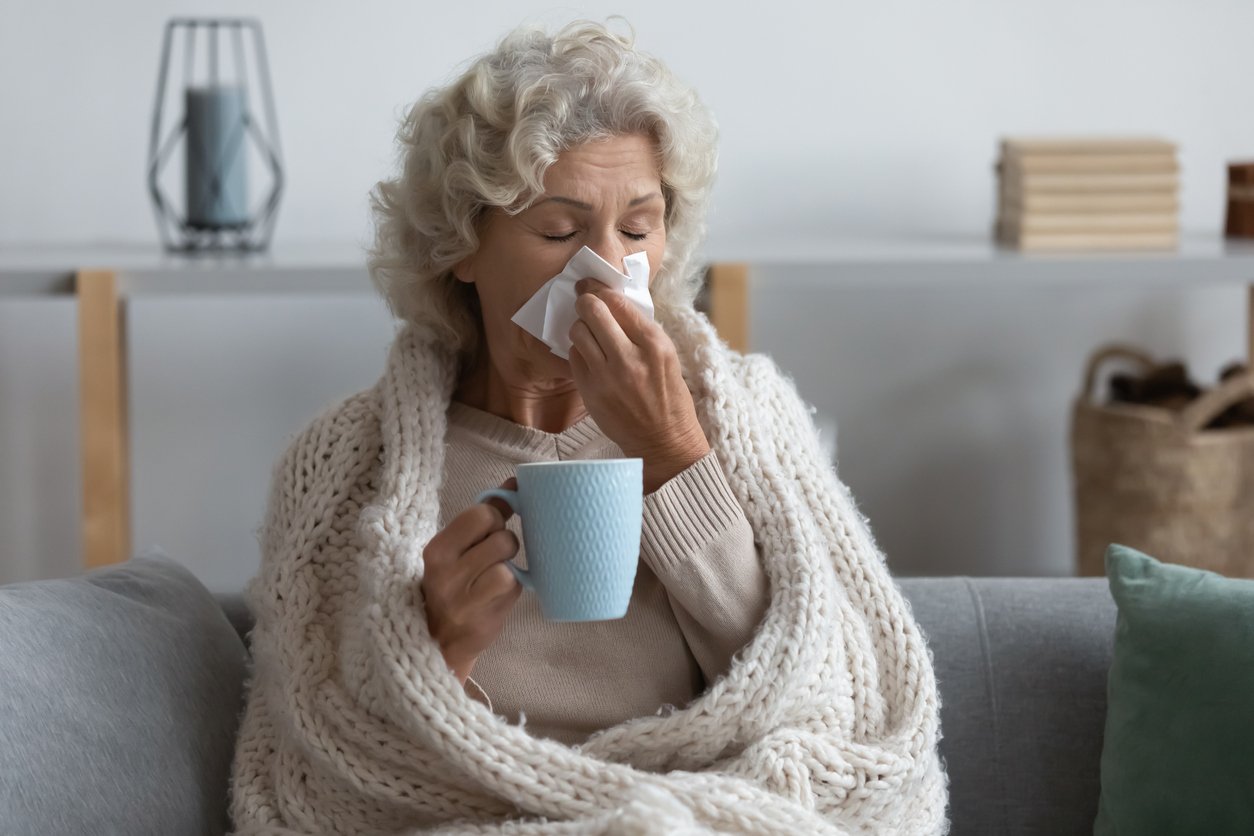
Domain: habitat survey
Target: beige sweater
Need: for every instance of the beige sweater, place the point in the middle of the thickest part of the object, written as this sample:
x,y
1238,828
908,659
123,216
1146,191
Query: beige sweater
x,y
700,590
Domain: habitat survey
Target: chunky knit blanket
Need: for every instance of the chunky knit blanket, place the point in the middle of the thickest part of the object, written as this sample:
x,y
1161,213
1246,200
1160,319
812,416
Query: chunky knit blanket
x,y
826,722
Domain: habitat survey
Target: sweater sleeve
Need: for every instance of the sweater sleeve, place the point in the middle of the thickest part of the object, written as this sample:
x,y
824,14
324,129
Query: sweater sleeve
x,y
697,540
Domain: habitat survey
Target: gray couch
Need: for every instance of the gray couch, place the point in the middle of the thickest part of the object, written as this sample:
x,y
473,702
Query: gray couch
x,y
1021,665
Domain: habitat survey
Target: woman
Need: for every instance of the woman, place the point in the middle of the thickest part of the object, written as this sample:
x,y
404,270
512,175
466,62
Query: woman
x,y
768,676
697,597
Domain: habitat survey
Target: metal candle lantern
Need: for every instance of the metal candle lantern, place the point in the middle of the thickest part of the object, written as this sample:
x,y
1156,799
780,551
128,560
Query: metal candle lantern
x,y
215,127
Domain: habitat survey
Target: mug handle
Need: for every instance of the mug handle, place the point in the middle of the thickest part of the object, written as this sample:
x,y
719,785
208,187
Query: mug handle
x,y
511,499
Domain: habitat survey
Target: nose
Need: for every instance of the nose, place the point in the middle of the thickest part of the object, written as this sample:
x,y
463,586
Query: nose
x,y
610,246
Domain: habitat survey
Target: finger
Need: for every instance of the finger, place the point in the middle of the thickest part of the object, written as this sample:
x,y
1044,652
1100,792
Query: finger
x,y
582,339
627,317
506,511
469,527
610,316
493,550
578,365
497,582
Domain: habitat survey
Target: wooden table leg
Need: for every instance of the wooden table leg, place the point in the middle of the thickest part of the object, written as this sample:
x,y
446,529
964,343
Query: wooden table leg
x,y
103,419
729,303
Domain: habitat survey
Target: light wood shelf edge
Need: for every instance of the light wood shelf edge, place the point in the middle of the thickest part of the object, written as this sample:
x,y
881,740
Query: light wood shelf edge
x,y
729,303
103,419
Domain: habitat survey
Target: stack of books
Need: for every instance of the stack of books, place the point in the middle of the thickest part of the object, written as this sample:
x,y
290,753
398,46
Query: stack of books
x,y
1088,194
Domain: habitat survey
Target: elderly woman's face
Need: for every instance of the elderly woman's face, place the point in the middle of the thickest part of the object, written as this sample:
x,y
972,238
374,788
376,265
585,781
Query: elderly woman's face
x,y
606,195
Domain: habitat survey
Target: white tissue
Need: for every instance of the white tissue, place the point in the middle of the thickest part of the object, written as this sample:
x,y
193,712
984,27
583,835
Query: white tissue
x,y
550,313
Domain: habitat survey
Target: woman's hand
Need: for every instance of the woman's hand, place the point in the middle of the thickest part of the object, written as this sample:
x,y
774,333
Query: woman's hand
x,y
467,586
629,377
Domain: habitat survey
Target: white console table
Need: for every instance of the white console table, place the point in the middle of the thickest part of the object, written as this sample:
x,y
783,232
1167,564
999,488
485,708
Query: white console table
x,y
103,278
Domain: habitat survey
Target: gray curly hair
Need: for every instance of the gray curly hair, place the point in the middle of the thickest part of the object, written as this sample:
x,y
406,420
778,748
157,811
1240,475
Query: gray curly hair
x,y
486,141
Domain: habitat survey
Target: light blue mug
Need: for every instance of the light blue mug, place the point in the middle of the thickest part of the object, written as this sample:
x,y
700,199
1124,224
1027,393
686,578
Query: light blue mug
x,y
581,525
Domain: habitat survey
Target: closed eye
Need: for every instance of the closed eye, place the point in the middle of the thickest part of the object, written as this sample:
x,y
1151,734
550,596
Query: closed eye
x,y
635,236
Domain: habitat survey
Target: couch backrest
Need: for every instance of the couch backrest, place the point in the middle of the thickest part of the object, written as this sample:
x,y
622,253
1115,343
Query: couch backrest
x,y
1021,666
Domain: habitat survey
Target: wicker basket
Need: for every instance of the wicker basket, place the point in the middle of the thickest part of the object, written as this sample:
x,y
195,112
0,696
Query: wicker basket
x,y
1153,479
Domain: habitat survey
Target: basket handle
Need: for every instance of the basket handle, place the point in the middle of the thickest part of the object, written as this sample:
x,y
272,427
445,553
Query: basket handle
x,y
1114,351
1204,410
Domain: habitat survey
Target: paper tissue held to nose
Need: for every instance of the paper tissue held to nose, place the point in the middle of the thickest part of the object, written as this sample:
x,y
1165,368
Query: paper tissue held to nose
x,y
550,313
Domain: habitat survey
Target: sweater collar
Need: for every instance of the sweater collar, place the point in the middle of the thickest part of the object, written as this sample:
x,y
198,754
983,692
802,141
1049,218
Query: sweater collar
x,y
517,441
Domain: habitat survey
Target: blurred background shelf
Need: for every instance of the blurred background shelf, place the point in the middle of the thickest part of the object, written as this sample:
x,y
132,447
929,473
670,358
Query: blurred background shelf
x,y
102,278
960,259
339,267
144,269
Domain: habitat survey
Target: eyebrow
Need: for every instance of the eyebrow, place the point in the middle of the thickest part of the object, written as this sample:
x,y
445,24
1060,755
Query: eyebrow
x,y
587,207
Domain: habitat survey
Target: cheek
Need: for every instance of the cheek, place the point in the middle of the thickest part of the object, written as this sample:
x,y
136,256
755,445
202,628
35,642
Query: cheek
x,y
495,306
509,288
656,255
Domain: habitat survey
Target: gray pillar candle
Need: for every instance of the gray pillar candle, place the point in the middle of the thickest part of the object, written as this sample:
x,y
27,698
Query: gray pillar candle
x,y
217,193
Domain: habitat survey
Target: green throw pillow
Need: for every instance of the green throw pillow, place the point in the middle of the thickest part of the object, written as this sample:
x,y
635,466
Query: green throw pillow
x,y
1178,755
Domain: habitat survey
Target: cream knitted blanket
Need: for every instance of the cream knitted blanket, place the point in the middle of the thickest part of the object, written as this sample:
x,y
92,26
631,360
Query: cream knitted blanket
x,y
827,722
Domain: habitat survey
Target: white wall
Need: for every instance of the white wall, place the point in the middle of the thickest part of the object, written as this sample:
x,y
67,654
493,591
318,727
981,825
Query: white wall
x,y
835,118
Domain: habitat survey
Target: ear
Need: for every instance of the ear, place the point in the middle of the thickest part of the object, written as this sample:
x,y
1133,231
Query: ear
x,y
463,270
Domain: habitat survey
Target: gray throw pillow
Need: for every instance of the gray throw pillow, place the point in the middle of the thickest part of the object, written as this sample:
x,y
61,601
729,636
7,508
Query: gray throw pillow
x,y
120,695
